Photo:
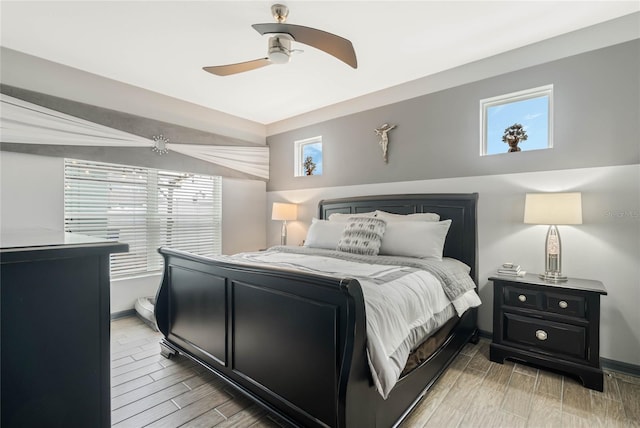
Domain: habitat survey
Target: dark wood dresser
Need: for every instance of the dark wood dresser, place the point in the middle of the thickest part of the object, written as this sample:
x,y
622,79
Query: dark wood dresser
x,y
554,325
55,359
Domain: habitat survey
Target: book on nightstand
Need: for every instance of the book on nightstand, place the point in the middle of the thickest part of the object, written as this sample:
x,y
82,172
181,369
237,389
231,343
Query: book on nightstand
x,y
511,270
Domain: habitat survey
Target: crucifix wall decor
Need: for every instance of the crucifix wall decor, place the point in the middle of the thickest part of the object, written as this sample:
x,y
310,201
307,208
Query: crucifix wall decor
x,y
384,139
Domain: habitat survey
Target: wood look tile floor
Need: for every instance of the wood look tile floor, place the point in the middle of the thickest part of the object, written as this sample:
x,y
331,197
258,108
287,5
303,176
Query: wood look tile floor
x,y
150,390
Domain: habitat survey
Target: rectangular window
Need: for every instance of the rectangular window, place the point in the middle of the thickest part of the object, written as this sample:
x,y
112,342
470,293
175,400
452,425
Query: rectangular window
x,y
308,157
145,208
517,122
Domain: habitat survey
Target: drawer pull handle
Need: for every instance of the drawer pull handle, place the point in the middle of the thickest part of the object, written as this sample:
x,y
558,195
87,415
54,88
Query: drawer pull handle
x,y
541,335
563,304
522,298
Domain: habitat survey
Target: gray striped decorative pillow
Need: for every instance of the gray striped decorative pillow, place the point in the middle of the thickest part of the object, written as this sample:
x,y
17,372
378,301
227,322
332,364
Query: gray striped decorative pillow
x,y
362,235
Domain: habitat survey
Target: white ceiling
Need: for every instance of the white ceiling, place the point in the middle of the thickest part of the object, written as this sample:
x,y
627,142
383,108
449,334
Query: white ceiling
x,y
163,45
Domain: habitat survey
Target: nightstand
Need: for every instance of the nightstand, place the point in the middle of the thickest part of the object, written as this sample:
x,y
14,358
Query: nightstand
x,y
554,325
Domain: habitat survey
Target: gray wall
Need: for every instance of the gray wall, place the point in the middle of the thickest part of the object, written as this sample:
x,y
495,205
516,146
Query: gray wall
x,y
133,124
596,107
435,149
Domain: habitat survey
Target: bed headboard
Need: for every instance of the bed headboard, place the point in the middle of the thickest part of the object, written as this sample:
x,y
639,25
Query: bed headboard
x,y
462,239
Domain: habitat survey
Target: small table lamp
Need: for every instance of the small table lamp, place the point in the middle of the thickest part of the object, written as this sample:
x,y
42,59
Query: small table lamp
x,y
284,212
553,209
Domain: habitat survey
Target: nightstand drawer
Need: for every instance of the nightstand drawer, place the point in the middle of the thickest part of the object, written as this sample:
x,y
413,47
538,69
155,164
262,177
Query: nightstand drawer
x,y
566,339
566,305
522,298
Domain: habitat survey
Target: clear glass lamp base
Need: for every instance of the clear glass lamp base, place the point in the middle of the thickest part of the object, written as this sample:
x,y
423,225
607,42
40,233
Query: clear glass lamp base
x,y
283,233
553,257
553,277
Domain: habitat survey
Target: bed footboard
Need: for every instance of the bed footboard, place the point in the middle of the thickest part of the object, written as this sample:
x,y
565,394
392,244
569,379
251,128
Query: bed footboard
x,y
284,338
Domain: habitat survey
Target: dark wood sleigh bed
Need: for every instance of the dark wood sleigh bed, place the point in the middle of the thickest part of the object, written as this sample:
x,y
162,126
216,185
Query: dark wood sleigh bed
x,y
295,342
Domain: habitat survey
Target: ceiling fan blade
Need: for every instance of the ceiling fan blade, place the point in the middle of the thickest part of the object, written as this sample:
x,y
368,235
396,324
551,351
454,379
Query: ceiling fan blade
x,y
337,46
226,70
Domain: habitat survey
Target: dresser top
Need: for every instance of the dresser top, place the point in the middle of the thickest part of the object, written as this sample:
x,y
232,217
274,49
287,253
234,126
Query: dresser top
x,y
43,238
25,244
570,284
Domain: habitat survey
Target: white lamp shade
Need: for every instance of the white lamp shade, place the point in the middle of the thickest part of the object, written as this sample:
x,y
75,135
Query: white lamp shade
x,y
283,211
553,208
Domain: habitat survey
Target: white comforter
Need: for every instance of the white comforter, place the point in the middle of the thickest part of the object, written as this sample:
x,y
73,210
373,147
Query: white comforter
x,y
403,304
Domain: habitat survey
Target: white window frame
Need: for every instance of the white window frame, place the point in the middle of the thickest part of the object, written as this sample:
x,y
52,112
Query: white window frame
x,y
527,94
145,208
298,164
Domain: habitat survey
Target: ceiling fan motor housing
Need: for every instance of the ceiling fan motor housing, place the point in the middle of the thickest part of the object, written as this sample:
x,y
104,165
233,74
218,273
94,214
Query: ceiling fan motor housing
x,y
279,49
280,37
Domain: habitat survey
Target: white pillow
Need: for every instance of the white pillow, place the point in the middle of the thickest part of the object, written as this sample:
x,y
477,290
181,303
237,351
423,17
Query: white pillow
x,y
421,239
324,234
362,235
407,217
345,217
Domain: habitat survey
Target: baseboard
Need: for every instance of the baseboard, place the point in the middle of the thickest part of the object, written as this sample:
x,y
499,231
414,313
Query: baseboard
x,y
485,334
617,366
123,314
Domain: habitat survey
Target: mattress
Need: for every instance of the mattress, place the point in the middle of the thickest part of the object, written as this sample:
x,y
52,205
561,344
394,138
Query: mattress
x,y
431,344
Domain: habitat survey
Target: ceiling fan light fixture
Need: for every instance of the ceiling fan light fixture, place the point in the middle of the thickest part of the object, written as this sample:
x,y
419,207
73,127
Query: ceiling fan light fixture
x,y
279,49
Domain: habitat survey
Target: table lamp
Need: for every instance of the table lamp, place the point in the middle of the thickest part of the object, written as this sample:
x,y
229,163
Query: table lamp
x,y
553,209
284,212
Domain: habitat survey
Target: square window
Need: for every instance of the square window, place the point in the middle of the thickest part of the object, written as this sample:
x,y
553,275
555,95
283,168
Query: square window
x,y
308,157
515,122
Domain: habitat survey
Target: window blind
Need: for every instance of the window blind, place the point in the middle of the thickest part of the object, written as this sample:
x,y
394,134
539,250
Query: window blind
x,y
145,208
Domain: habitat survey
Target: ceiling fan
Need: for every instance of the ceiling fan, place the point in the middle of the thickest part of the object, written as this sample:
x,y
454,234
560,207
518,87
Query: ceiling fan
x,y
279,51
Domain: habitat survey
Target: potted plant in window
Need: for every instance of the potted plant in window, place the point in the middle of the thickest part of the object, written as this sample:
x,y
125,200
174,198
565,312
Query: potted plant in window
x,y
309,165
513,135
